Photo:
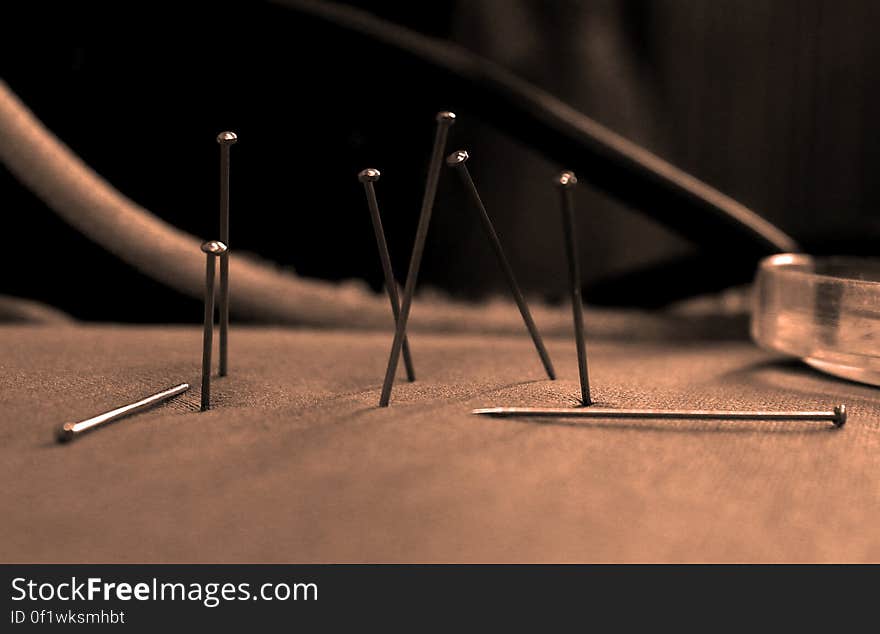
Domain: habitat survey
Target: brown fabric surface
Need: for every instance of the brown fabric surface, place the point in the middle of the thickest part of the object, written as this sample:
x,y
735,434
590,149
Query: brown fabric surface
x,y
297,464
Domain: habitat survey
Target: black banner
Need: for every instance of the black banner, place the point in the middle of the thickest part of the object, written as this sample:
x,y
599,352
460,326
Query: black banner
x,y
230,597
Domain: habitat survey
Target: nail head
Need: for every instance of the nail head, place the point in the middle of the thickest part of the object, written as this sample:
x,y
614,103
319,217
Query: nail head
x,y
840,415
457,158
566,179
369,175
227,138
65,434
446,116
214,247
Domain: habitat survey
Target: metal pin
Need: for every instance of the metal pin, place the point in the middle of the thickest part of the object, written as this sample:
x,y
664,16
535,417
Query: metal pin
x,y
212,249
69,431
836,416
444,122
565,181
457,161
368,177
226,140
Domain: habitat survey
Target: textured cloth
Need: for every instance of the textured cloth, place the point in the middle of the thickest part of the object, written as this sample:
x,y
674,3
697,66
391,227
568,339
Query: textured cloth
x,y
296,463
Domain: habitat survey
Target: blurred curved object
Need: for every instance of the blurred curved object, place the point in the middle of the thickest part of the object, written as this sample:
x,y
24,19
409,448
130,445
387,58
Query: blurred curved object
x,y
825,311
26,311
263,292
260,290
609,162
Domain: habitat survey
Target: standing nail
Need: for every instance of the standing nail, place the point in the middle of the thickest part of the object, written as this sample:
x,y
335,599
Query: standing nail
x,y
368,177
566,181
457,161
444,122
212,249
226,140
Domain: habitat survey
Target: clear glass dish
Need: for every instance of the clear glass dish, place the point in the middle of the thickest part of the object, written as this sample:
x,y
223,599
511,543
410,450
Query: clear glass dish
x,y
825,311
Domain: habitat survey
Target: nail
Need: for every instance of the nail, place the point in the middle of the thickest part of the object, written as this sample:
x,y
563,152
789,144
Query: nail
x,y
212,249
226,141
836,416
444,121
69,431
368,177
566,181
457,161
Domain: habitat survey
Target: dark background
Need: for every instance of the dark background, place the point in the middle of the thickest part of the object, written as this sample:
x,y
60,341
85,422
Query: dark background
x,y
772,102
